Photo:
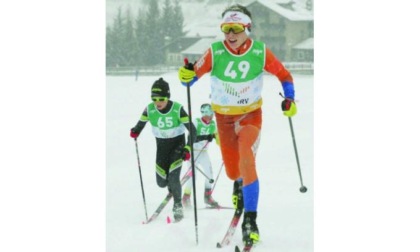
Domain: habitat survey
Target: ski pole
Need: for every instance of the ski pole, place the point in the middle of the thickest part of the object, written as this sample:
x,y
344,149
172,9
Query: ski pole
x,y
192,158
141,179
217,178
303,188
205,175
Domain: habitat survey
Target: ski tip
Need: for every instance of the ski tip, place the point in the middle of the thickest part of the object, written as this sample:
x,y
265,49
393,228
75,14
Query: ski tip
x,y
219,245
168,220
237,249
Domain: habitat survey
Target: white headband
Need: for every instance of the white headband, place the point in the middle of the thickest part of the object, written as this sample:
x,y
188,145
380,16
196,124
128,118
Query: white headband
x,y
236,17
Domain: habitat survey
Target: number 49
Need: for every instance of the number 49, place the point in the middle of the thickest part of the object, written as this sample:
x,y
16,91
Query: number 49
x,y
243,67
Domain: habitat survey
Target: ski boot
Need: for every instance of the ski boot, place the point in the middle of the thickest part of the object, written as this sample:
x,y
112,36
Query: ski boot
x,y
178,211
186,200
208,199
250,233
237,196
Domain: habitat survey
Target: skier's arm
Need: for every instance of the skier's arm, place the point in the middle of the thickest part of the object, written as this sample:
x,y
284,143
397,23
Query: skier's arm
x,y
204,64
275,67
190,73
136,130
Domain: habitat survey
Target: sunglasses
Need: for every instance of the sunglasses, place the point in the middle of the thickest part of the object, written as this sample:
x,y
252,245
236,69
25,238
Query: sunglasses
x,y
207,113
234,27
158,99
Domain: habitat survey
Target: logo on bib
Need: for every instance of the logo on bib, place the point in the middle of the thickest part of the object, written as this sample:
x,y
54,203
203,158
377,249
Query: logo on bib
x,y
257,51
219,52
243,101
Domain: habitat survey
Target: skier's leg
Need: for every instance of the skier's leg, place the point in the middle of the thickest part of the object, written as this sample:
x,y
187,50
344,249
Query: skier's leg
x,y
228,145
249,136
186,198
206,165
175,187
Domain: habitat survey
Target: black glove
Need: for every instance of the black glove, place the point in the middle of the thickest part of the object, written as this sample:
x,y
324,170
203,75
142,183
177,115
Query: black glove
x,y
189,66
205,137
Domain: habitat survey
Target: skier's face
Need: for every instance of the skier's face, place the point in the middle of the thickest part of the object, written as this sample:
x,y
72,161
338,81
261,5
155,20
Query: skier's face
x,y
160,102
207,118
235,40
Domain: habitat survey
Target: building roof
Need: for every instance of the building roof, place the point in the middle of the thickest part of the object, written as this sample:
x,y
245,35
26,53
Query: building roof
x,y
199,24
200,46
299,14
307,44
202,20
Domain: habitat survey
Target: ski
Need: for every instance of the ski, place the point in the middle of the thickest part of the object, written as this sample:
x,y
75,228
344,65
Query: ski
x,y
231,230
246,248
168,197
215,207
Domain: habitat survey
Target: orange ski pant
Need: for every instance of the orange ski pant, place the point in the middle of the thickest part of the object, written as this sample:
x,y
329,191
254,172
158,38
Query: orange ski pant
x,y
239,138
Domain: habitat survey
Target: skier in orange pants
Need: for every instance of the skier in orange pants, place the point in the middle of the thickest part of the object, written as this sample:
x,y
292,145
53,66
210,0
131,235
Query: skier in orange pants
x,y
236,66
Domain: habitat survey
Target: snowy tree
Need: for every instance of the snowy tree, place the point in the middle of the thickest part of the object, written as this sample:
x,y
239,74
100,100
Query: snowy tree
x,y
128,41
154,34
141,40
309,5
114,41
167,19
178,21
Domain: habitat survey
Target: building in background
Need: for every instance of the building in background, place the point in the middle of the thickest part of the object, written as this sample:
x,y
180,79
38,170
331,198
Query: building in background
x,y
286,28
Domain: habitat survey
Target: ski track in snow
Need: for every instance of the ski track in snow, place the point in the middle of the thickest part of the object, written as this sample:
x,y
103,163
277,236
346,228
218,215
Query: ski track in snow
x,y
285,215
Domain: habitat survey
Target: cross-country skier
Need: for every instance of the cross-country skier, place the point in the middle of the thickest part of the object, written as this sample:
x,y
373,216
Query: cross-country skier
x,y
168,120
206,132
236,67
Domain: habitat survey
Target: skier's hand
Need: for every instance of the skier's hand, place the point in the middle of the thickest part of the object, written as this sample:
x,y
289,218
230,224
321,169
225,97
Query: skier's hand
x,y
186,74
210,137
134,133
289,107
186,153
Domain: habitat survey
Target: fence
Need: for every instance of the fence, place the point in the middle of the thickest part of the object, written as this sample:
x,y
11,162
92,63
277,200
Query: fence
x,y
149,70
300,67
294,67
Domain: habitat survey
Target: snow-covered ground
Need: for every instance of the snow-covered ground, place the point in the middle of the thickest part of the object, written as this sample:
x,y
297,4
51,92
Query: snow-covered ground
x,y
285,215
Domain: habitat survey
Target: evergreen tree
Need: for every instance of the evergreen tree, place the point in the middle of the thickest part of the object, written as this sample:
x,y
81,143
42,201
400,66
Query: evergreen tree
x,y
167,19
116,40
128,41
309,5
178,21
154,35
141,40
110,41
